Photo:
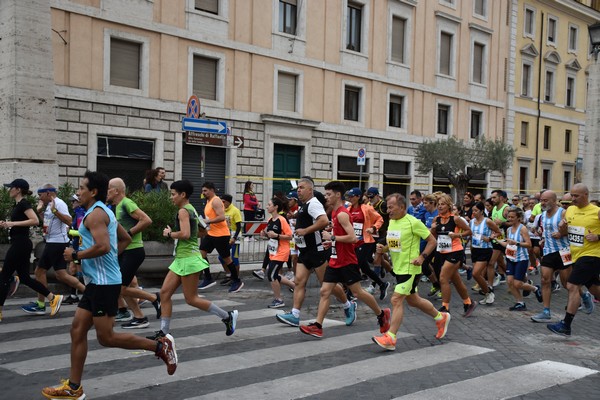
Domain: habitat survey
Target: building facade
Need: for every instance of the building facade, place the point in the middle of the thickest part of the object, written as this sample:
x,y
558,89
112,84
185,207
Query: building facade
x,y
550,91
302,85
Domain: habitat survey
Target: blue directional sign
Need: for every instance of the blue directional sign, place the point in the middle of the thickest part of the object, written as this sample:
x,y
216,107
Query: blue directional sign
x,y
204,125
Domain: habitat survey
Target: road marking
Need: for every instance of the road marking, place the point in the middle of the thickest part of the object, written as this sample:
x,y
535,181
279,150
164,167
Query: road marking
x,y
508,383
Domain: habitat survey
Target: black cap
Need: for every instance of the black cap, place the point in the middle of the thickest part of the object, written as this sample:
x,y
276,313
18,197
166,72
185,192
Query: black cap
x,y
18,183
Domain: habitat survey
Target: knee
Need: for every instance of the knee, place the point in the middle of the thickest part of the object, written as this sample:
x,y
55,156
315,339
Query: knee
x,y
190,297
324,292
104,338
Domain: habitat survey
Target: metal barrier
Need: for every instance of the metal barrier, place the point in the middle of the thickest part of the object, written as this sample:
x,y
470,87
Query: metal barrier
x,y
252,245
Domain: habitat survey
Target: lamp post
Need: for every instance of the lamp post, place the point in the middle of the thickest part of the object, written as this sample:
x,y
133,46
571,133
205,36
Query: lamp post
x,y
591,165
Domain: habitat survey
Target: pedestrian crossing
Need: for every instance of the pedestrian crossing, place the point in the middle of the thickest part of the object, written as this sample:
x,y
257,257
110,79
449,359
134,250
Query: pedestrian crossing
x,y
264,359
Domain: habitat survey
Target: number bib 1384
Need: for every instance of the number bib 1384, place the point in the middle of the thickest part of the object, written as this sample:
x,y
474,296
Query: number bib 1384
x,y
393,241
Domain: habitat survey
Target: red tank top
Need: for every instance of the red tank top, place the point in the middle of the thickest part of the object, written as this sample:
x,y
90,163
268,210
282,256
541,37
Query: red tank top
x,y
342,254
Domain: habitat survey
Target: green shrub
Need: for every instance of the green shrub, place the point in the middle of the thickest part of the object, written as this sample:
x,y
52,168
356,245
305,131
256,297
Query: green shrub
x,y
160,209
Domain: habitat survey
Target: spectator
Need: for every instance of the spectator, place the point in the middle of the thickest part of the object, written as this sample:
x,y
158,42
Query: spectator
x,y
152,182
250,202
160,178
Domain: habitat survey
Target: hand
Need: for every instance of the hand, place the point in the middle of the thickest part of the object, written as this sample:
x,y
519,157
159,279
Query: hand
x,y
380,248
167,231
231,241
272,235
418,261
68,254
300,232
591,237
326,235
555,235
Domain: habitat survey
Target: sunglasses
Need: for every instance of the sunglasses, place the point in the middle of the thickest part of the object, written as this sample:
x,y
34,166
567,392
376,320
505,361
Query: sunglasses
x,y
565,202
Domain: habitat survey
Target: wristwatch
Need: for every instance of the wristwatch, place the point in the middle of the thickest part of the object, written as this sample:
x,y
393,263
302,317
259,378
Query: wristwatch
x,y
332,238
74,255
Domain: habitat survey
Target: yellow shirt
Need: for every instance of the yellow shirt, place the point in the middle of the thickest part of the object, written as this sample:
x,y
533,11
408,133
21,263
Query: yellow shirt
x,y
581,222
232,217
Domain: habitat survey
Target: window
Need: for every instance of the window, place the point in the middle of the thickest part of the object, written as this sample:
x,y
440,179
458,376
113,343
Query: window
x,y
125,63
480,7
568,141
351,103
573,36
398,30
445,61
523,175
526,80
570,100
353,27
209,6
205,77
524,133
529,23
476,122
549,89
443,119
395,118
287,16
396,177
124,157
546,176
478,65
350,173
286,92
552,30
547,132
566,181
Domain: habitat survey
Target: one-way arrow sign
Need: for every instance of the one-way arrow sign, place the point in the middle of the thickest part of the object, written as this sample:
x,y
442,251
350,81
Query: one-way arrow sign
x,y
238,141
204,125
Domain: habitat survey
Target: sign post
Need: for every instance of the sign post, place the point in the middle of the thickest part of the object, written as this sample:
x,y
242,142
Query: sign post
x,y
361,160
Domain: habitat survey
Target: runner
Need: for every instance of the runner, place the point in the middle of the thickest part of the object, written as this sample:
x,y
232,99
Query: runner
x,y
102,238
483,231
582,222
342,266
233,217
403,243
517,259
380,264
279,234
311,220
499,214
431,212
450,253
185,269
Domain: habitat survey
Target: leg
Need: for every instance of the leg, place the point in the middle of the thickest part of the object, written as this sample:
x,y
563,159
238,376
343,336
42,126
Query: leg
x,y
325,293
397,312
67,279
302,275
40,276
82,322
478,270
169,286
190,292
338,291
365,297
547,274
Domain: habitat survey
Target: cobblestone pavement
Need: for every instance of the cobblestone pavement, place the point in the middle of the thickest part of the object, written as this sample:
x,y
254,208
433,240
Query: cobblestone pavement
x,y
493,354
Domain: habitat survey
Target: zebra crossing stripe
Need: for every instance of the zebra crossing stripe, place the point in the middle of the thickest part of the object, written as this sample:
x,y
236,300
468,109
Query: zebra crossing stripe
x,y
508,383
101,355
316,382
137,379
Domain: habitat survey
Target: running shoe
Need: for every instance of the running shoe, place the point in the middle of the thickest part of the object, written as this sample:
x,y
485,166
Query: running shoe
x,y
124,316
157,305
560,328
443,309
288,318
136,323
236,286
231,322
518,307
157,335
462,271
383,290
433,291
442,325
538,293
469,308
370,289
469,273
14,285
167,353
587,300
55,304
71,299
384,320
312,330
350,313
259,273
63,391
526,293
496,280
476,287
385,341
488,299
544,316
424,278
502,279
555,286
206,283
276,303
34,308
226,281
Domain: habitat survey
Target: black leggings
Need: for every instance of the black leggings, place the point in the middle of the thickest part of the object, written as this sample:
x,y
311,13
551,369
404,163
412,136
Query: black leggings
x,y
17,259
364,255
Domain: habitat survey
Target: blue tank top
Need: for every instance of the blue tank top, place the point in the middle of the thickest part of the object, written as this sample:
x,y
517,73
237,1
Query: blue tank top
x,y
103,270
521,253
479,231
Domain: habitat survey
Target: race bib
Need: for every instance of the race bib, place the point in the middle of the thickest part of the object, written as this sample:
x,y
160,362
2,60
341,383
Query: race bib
x,y
45,226
576,235
393,241
511,252
272,246
444,244
333,250
299,241
292,245
565,256
476,240
358,230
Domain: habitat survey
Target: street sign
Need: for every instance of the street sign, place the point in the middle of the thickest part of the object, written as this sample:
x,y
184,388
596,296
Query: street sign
x,y
212,139
362,157
193,107
204,126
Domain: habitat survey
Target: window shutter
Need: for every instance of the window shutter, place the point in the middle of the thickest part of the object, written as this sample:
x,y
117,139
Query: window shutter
x,y
445,48
205,78
286,92
124,63
211,6
478,63
398,26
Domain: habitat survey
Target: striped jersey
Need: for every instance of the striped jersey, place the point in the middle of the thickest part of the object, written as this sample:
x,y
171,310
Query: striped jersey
x,y
550,225
520,254
478,232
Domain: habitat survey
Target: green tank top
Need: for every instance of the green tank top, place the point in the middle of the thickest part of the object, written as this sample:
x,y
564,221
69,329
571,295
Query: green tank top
x,y
188,247
499,214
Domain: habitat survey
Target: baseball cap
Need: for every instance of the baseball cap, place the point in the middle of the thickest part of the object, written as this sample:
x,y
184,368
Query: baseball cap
x,y
354,192
292,195
372,191
18,183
